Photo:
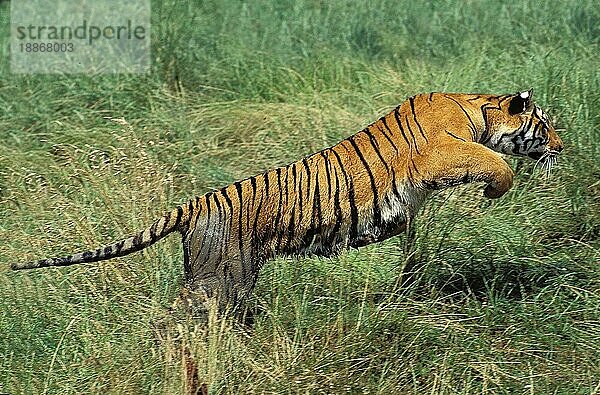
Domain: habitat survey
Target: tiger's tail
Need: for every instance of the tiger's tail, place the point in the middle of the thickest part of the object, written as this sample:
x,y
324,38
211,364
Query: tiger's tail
x,y
169,223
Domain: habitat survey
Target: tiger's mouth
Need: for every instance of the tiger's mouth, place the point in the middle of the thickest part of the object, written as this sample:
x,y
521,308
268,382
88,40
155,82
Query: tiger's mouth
x,y
535,155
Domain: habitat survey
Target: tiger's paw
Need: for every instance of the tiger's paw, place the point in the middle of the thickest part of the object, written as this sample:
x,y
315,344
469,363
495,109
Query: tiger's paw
x,y
492,192
500,183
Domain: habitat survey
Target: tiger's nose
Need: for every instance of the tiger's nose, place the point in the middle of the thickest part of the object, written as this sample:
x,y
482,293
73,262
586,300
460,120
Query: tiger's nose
x,y
556,144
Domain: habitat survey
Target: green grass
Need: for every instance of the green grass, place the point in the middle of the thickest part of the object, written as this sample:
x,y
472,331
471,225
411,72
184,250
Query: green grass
x,y
504,297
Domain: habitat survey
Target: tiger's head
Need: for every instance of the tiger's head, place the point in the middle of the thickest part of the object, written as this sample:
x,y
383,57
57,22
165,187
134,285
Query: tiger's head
x,y
516,126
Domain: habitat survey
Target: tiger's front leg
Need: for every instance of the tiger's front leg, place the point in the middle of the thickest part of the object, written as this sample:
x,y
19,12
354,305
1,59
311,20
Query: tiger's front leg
x,y
463,162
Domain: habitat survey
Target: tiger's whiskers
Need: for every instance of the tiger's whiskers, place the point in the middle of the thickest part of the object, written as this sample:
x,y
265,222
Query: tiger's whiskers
x,y
546,163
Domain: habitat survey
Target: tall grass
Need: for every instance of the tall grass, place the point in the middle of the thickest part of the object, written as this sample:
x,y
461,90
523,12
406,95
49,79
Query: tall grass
x,y
500,297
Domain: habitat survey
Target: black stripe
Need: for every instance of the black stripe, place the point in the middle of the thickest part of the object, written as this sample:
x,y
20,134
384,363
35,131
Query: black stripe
x,y
376,208
223,192
353,212
473,127
223,225
500,99
137,240
266,180
193,221
336,198
486,136
191,206
294,175
313,228
317,206
412,108
526,128
197,205
307,168
375,145
253,185
384,121
291,227
339,160
337,208
395,186
277,225
186,264
153,235
298,195
412,161
165,221
217,202
431,96
97,253
230,216
167,218
204,233
397,117
536,128
297,203
208,214
308,205
190,209
287,185
254,239
238,187
327,173
387,137
412,134
253,200
455,136
277,216
179,216
119,247
353,231
410,173
62,261
290,230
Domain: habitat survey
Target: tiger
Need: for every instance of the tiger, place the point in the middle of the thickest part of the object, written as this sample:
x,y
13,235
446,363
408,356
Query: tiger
x,y
362,190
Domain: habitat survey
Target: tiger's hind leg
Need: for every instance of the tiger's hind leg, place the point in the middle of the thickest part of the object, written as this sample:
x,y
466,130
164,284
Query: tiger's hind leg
x,y
220,267
217,275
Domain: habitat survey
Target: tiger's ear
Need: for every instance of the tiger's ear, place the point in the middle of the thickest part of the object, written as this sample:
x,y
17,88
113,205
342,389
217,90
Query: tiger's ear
x,y
520,102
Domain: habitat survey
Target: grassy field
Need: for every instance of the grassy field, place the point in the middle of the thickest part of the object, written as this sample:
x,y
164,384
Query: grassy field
x,y
504,297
